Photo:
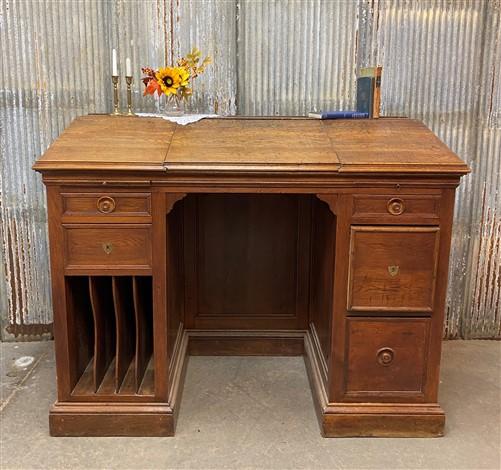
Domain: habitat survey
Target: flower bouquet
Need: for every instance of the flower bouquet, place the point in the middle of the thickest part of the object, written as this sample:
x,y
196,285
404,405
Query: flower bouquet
x,y
175,82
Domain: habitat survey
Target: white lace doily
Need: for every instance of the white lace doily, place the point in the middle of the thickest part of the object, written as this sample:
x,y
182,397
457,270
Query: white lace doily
x,y
182,120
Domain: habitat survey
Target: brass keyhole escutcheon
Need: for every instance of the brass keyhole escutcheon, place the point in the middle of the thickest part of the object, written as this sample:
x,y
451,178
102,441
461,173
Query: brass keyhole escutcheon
x,y
106,204
395,206
385,356
393,270
107,247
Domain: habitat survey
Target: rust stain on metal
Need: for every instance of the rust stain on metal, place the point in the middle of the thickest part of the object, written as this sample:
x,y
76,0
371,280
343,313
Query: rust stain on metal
x,y
487,287
12,270
171,30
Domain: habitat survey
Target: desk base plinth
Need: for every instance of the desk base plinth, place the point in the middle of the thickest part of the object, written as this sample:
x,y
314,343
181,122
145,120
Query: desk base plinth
x,y
76,419
390,423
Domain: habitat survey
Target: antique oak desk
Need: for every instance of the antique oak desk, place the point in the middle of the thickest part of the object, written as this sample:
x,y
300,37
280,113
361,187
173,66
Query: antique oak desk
x,y
328,239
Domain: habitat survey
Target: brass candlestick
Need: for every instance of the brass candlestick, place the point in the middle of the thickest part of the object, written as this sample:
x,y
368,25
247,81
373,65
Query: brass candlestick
x,y
114,79
129,96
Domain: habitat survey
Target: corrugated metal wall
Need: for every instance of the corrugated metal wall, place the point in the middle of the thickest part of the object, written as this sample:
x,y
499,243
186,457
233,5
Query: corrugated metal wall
x,y
442,64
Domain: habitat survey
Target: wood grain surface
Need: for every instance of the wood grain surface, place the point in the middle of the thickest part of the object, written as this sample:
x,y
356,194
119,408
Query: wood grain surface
x,y
248,145
101,141
392,269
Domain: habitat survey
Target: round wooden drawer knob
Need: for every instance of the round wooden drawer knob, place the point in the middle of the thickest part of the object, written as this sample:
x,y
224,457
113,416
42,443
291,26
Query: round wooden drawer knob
x,y
396,206
106,204
385,356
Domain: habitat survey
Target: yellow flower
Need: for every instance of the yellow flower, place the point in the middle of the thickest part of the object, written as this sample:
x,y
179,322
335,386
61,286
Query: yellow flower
x,y
168,79
184,75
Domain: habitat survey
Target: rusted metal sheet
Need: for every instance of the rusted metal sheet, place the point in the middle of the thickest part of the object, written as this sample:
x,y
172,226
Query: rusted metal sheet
x,y
481,316
295,57
441,62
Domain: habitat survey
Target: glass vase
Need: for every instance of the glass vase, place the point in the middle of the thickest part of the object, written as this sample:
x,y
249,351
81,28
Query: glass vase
x,y
171,105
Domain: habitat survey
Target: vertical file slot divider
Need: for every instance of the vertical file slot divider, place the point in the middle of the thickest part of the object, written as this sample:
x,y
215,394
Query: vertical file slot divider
x,y
124,317
143,308
81,327
104,328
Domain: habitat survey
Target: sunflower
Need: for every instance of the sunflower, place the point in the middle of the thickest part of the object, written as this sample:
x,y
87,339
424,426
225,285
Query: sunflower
x,y
184,75
169,80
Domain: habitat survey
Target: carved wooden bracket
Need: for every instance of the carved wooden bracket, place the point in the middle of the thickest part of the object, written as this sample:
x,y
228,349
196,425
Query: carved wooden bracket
x,y
330,200
171,199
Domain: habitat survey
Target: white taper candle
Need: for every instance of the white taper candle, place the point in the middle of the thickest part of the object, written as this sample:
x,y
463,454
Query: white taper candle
x,y
128,68
114,64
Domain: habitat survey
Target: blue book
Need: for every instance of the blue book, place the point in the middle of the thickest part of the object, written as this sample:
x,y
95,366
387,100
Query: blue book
x,y
339,115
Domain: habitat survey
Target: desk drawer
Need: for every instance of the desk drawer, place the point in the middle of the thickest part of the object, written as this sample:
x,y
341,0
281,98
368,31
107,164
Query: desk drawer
x,y
386,357
396,209
106,204
105,247
392,269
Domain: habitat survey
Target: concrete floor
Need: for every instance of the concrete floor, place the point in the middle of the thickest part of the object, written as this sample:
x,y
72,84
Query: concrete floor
x,y
241,412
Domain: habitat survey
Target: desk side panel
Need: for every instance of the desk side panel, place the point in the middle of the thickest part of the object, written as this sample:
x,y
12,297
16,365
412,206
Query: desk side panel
x,y
175,287
323,236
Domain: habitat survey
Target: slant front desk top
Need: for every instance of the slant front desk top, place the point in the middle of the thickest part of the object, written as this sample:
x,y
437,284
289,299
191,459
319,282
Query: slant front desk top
x,y
99,142
249,236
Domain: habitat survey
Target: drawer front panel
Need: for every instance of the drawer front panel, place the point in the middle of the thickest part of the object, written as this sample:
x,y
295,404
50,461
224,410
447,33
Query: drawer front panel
x,y
107,246
396,209
392,269
106,204
386,357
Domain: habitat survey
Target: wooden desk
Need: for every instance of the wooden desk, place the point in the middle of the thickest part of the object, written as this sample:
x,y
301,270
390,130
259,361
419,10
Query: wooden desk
x,y
328,239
